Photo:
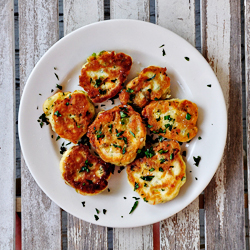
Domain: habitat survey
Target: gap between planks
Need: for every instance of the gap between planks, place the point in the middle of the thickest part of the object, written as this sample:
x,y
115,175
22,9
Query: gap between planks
x,y
201,202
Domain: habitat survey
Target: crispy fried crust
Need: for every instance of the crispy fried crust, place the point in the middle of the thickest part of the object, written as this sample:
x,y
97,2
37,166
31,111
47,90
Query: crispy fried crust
x,y
117,134
174,119
151,84
102,76
158,179
69,114
86,173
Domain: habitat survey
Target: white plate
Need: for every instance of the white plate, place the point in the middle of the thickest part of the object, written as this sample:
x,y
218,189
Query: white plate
x,y
189,80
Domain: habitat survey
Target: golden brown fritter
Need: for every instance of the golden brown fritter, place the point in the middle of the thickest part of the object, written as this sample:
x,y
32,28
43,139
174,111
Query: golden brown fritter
x,y
86,173
117,134
69,114
103,74
174,119
151,84
158,179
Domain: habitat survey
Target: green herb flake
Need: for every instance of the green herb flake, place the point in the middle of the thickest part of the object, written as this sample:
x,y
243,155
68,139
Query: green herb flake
x,y
149,126
110,128
69,96
57,113
83,203
199,138
209,85
136,186
123,115
59,86
102,92
124,151
160,138
132,133
187,58
57,138
149,152
163,52
97,211
162,45
183,178
94,54
188,116
136,198
145,199
113,80
162,160
119,134
149,79
134,207
158,119
188,135
108,190
151,169
96,217
161,169
147,178
55,68
156,99
104,211
161,151
67,103
130,90
172,156
197,160
145,184
56,76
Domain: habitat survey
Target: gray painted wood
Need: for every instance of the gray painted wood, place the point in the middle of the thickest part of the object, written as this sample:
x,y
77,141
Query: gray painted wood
x,y
41,218
7,125
247,80
81,234
181,231
224,197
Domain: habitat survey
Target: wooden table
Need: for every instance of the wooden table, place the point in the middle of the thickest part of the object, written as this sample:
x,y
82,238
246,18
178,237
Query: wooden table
x,y
223,200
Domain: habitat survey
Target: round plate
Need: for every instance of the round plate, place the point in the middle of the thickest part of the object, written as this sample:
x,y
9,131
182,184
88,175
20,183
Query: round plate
x,y
191,78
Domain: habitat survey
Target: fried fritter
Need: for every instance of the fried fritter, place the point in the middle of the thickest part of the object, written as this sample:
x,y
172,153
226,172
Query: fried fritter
x,y
103,74
69,114
159,177
86,173
117,134
151,84
174,119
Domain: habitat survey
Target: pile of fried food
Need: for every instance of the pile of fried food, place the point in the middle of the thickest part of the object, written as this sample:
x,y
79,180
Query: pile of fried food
x,y
119,135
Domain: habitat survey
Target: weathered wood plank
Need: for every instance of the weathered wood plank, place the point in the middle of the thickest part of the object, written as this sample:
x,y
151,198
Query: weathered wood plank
x,y
224,197
41,218
181,231
126,9
7,125
247,81
81,234
140,237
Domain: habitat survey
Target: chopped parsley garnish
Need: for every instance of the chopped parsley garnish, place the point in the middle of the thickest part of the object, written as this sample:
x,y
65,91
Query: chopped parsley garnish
x,y
43,119
187,58
57,113
161,169
40,94
145,184
102,92
55,68
196,178
104,211
149,126
134,207
169,126
97,211
124,151
149,79
183,178
62,149
161,151
132,133
151,169
85,168
209,85
188,135
136,186
59,86
94,54
67,103
98,82
147,178
96,217
160,138
108,190
83,203
69,96
100,136
158,119
110,128
197,160
162,45
119,134
188,116
184,153
136,198
172,156
149,152
199,138
113,80
84,184
130,90
121,168
156,99
56,76
163,52
171,166
57,138
52,90
166,117
145,199
124,198
162,160
123,114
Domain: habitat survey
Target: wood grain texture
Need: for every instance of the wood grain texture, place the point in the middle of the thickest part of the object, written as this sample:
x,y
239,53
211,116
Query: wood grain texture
x,y
224,197
127,9
140,237
133,238
247,81
7,125
78,13
81,234
41,218
177,16
181,231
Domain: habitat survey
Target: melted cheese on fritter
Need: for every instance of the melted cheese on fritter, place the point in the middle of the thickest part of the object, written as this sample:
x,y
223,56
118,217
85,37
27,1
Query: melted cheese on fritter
x,y
174,119
117,134
103,74
158,179
86,173
69,114
152,83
